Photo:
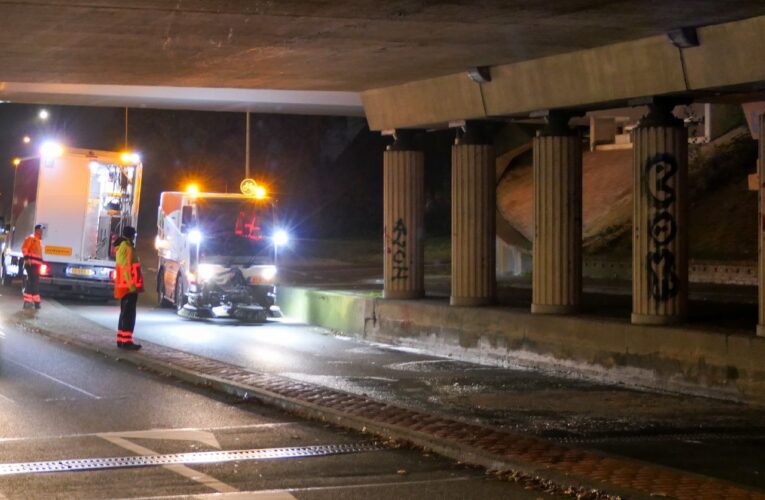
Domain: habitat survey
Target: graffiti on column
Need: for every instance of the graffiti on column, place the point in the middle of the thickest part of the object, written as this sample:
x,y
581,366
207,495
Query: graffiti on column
x,y
400,269
663,282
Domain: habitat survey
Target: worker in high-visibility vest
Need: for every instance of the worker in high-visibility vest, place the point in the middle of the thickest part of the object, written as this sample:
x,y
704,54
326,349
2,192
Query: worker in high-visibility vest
x,y
128,283
31,249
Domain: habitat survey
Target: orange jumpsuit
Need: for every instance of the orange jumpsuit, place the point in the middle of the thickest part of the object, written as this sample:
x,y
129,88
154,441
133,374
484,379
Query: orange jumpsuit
x,y
32,251
128,283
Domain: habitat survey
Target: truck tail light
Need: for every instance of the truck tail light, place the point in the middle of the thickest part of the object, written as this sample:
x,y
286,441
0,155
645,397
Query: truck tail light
x,y
44,270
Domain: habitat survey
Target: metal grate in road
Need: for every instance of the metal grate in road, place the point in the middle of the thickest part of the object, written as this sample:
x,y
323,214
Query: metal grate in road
x,y
206,457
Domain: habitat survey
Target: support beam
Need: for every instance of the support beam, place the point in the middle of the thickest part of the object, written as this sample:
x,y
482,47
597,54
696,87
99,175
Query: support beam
x,y
761,228
660,223
403,212
473,224
557,263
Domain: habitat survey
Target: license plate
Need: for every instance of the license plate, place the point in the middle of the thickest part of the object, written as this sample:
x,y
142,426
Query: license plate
x,y
81,271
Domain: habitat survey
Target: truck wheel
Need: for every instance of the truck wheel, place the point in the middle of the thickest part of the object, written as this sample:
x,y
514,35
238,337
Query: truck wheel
x,y
161,296
180,295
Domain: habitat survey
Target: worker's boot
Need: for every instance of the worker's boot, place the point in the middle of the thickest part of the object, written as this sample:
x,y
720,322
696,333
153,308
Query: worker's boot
x,y
125,341
130,346
37,305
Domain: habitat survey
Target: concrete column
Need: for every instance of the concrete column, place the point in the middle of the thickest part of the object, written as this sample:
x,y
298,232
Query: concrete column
x,y
473,225
660,220
557,263
761,228
403,213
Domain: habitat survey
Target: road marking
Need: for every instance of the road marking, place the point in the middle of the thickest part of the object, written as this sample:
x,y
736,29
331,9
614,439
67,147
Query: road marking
x,y
199,477
152,459
255,495
280,494
383,484
205,437
239,495
6,398
54,379
272,425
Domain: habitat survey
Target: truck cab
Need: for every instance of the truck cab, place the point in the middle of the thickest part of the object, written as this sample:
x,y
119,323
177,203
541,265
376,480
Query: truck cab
x,y
217,255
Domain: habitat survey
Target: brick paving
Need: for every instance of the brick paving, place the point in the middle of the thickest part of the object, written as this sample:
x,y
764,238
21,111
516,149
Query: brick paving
x,y
454,438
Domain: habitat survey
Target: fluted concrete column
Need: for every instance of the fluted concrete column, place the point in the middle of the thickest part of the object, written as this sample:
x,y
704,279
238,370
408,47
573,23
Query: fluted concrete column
x,y
660,223
761,229
557,264
473,224
403,212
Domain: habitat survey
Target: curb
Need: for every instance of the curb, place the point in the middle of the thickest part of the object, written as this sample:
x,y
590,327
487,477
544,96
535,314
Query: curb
x,y
575,472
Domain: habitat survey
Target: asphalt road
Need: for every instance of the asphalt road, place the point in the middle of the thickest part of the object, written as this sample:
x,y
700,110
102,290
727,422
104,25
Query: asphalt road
x,y
716,438
59,404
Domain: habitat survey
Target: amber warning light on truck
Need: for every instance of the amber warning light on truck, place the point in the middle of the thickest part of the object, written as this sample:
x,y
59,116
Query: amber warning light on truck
x,y
251,188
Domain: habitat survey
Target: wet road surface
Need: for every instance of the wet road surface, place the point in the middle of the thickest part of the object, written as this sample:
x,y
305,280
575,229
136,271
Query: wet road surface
x,y
58,404
680,431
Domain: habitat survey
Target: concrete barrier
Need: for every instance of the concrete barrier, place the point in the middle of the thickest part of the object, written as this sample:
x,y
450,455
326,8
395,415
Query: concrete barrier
x,y
341,311
675,359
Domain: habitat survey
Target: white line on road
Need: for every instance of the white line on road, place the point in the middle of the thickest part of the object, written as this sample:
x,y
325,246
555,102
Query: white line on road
x,y
254,495
384,484
199,477
271,425
239,495
280,494
54,379
3,397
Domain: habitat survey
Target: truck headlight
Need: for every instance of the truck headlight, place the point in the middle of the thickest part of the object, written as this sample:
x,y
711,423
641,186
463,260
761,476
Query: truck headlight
x,y
281,238
268,273
207,271
195,236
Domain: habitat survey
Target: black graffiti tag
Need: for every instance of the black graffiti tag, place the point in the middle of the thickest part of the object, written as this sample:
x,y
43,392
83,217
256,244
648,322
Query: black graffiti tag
x,y
400,269
663,282
660,170
663,229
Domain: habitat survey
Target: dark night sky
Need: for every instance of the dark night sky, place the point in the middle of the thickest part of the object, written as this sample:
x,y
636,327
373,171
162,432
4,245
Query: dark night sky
x,y
326,172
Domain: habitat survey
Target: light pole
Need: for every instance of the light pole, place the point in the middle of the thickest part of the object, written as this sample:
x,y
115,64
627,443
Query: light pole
x,y
247,148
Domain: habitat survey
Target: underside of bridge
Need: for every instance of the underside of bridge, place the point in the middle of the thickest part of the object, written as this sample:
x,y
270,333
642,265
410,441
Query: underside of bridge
x,y
406,59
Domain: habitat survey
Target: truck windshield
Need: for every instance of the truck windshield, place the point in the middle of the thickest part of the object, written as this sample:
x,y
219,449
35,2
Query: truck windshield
x,y
235,229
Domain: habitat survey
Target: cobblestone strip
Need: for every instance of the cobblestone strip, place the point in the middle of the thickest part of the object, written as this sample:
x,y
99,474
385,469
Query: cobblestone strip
x,y
463,441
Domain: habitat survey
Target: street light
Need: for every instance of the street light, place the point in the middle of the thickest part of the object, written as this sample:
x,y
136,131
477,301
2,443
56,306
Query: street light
x,y
43,114
26,139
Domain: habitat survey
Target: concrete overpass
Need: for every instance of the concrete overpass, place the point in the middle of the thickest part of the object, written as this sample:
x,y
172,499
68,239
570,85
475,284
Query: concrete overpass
x,y
406,65
406,60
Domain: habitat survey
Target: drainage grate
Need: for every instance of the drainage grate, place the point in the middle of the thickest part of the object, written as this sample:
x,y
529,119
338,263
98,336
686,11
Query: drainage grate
x,y
206,457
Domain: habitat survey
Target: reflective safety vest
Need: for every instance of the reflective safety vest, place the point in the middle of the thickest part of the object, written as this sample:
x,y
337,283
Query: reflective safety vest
x,y
31,249
128,277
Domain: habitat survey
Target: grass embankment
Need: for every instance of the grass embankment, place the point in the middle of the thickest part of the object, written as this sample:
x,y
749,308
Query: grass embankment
x,y
722,211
